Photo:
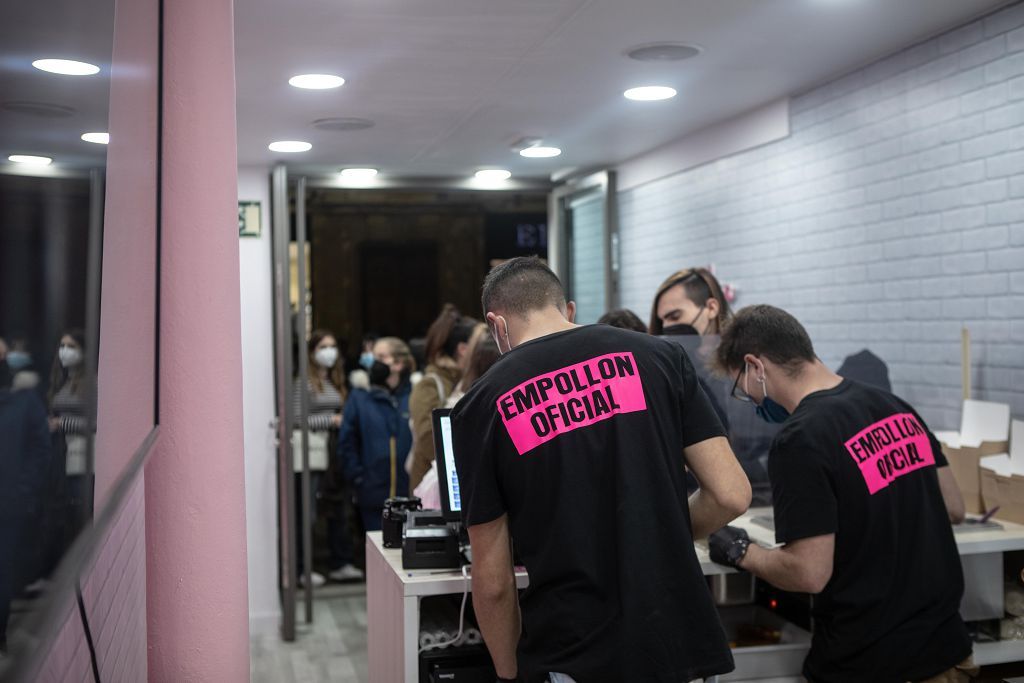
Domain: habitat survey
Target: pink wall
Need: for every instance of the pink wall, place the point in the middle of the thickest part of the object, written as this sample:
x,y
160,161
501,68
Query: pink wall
x,y
114,593
114,586
128,301
195,496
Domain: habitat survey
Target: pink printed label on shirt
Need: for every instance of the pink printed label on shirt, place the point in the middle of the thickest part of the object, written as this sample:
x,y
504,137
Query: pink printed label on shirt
x,y
576,396
889,449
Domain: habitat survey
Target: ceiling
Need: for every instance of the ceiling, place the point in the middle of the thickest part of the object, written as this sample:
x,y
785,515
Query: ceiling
x,y
82,30
450,84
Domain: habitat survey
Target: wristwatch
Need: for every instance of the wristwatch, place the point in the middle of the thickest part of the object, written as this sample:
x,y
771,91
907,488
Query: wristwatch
x,y
737,550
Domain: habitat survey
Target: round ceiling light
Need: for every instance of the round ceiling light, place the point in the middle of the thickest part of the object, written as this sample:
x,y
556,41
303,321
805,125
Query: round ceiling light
x,y
663,52
650,93
493,175
289,146
97,138
540,152
29,160
67,67
316,81
359,174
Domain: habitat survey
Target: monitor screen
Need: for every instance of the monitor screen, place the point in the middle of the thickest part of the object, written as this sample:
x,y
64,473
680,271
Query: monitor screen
x,y
451,475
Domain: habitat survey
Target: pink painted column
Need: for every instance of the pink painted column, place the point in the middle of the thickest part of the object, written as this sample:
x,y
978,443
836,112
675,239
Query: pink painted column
x,y
195,497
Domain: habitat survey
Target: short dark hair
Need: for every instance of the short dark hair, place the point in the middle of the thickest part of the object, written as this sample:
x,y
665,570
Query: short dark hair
x,y
623,318
765,331
521,285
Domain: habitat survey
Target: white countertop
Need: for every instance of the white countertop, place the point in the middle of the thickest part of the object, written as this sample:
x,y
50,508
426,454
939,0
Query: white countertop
x,y
439,581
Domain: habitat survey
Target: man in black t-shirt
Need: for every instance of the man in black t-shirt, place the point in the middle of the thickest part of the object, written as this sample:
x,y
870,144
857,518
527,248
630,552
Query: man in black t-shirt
x,y
572,447
863,500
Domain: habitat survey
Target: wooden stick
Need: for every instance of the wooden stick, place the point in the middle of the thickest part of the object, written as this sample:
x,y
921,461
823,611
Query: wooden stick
x,y
965,361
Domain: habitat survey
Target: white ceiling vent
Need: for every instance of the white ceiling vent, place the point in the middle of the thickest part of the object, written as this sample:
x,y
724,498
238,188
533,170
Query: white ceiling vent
x,y
663,52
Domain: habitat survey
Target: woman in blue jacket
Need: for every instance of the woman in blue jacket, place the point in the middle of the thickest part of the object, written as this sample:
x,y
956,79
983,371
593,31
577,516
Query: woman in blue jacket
x,y
375,435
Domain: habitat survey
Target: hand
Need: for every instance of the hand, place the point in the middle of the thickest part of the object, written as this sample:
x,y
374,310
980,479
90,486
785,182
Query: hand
x,y
54,424
728,545
336,420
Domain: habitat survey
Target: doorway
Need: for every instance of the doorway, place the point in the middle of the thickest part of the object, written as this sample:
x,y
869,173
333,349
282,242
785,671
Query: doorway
x,y
400,292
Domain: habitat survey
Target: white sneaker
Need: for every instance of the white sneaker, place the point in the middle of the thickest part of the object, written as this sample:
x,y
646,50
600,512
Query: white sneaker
x,y
347,573
317,579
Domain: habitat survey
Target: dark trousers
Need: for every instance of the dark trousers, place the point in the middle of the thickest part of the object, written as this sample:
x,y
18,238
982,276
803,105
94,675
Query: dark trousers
x,y
11,548
339,537
371,517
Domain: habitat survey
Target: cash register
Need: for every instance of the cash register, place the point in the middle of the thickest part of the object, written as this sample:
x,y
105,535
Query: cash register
x,y
433,539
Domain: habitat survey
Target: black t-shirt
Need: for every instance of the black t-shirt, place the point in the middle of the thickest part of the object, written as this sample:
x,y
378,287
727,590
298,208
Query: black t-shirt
x,y
578,436
860,463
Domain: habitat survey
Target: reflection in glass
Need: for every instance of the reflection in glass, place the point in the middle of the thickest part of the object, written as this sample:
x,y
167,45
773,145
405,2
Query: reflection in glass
x,y
50,227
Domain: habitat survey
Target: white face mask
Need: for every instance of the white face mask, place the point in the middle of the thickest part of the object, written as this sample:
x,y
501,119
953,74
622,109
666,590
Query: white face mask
x,y
327,356
69,356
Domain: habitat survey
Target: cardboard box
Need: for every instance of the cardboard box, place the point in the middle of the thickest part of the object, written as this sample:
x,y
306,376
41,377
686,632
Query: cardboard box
x,y
964,463
1002,479
984,431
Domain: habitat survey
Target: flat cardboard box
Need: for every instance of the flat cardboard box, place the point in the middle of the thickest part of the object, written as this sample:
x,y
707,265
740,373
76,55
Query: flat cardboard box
x,y
964,464
984,431
1002,479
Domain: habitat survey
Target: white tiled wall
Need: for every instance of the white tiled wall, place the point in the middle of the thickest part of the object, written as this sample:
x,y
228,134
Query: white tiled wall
x,y
892,215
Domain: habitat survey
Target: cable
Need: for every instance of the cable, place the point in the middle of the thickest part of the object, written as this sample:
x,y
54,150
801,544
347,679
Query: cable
x,y
88,632
462,617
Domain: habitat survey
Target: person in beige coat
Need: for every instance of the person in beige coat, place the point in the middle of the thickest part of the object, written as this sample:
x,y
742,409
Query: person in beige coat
x,y
446,348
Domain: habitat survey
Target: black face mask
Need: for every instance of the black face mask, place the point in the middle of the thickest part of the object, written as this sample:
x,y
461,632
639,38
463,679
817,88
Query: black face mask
x,y
683,329
379,373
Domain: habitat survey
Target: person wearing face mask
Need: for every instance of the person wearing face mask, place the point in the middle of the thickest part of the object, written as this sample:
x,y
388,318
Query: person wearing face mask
x,y
863,499
24,459
690,309
72,401
359,378
572,447
375,434
445,350
327,393
19,360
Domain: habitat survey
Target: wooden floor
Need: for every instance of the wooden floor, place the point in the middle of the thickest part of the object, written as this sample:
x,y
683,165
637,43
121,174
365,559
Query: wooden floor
x,y
330,650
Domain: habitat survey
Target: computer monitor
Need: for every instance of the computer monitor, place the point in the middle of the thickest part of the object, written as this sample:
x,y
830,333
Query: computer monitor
x,y
447,475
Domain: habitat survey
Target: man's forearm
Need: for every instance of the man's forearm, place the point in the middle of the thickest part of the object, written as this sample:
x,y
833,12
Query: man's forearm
x,y
707,515
777,567
497,613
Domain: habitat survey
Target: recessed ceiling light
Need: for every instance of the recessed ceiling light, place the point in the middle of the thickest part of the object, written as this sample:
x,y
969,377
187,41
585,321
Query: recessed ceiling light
x,y
66,67
540,152
98,138
316,81
358,173
30,160
493,175
289,146
649,93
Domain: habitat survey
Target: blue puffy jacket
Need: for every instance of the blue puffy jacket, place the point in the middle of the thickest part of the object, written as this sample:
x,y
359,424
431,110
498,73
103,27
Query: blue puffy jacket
x,y
374,442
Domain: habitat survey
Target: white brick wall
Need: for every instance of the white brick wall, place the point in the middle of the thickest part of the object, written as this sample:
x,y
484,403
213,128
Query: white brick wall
x,y
892,215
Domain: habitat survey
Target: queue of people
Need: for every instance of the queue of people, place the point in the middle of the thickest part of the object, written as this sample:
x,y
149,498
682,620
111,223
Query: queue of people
x,y
46,473
573,449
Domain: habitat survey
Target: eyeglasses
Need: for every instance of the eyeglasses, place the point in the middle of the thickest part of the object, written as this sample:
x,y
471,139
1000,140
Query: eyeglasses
x,y
738,393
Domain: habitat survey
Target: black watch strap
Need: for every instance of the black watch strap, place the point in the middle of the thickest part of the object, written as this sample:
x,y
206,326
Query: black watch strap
x,y
738,551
